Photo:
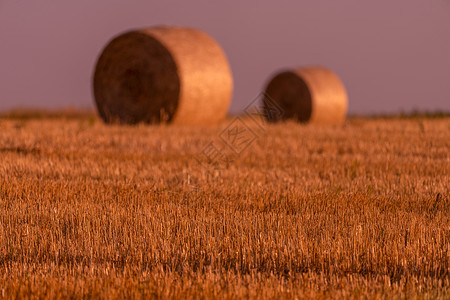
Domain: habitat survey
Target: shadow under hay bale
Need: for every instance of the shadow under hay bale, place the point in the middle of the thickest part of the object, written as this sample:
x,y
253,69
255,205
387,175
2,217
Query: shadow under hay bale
x,y
163,74
308,95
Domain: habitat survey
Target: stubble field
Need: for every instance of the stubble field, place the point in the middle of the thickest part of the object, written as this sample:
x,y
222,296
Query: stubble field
x,y
89,210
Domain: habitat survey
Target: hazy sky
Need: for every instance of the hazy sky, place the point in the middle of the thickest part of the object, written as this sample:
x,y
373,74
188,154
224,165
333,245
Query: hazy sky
x,y
392,55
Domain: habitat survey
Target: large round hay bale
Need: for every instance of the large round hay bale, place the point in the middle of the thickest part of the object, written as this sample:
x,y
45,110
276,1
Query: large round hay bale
x,y
163,74
309,95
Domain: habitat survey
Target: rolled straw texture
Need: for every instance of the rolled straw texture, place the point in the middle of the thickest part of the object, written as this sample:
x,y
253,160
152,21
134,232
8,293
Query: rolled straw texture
x,y
163,74
309,95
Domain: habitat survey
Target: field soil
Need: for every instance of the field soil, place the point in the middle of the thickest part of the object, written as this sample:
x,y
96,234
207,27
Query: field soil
x,y
243,209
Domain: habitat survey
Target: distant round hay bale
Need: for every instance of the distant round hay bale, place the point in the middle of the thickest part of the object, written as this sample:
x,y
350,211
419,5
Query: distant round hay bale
x,y
163,74
309,95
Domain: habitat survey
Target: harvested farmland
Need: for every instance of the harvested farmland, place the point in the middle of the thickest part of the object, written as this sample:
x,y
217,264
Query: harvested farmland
x,y
359,210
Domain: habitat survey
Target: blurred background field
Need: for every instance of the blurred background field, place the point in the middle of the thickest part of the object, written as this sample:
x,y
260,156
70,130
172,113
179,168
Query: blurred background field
x,y
360,210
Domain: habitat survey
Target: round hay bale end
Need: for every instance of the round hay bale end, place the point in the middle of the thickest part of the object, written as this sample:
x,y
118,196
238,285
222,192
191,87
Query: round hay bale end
x,y
309,95
163,74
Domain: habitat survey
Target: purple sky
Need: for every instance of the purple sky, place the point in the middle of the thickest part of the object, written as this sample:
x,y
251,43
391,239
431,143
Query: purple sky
x,y
392,55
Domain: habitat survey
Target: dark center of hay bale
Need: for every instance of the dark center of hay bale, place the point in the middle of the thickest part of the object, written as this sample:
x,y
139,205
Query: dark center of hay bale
x,y
136,80
292,95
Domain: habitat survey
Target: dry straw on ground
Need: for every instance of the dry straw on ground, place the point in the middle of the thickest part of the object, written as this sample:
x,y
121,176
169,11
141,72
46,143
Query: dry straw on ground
x,y
163,74
313,95
119,212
